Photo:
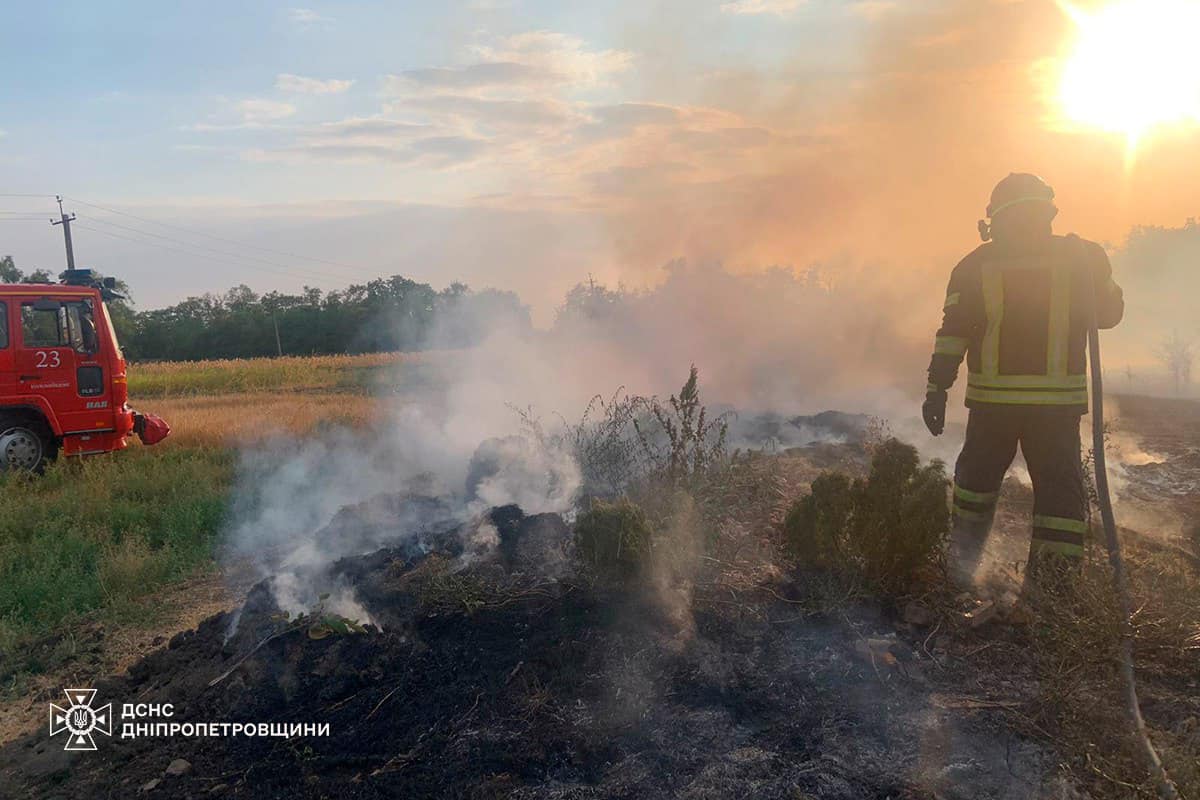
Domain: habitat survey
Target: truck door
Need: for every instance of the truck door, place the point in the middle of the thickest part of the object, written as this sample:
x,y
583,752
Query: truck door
x,y
57,361
8,377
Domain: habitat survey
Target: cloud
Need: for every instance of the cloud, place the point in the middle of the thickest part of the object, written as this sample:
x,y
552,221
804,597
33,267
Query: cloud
x,y
373,139
722,139
622,119
447,149
777,7
227,127
527,63
558,54
371,126
307,18
200,148
257,110
501,112
491,75
621,180
298,84
514,101
629,115
434,152
873,10
520,106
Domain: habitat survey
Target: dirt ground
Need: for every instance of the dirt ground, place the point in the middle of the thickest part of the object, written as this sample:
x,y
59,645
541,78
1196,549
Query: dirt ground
x,y
93,649
485,678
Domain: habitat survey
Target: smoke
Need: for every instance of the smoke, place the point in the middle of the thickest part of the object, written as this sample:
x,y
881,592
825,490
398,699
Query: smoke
x,y
476,428
879,157
885,147
451,437
807,222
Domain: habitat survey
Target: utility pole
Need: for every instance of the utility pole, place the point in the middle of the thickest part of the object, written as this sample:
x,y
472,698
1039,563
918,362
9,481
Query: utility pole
x,y
65,221
278,346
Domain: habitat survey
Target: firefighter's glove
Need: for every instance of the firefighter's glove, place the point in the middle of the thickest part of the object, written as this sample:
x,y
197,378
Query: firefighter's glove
x,y
934,412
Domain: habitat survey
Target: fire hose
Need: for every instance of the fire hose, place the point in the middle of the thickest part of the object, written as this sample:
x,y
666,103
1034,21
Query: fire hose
x,y
1166,789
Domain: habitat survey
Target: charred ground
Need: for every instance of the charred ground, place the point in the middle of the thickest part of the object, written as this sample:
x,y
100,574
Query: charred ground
x,y
485,683
503,674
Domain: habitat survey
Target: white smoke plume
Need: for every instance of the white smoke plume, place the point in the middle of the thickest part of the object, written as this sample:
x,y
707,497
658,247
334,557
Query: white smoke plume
x,y
779,341
774,341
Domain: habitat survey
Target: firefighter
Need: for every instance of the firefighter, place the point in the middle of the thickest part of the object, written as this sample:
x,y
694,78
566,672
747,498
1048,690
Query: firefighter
x,y
1018,309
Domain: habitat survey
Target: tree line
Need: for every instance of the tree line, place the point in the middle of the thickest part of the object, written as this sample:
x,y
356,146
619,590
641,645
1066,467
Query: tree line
x,y
382,315
400,314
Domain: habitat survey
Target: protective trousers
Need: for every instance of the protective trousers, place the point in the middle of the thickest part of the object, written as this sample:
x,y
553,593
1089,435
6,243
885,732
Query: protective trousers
x,y
1049,440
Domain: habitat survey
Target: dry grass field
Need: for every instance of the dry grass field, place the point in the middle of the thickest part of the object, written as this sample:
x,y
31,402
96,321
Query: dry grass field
x,y
246,375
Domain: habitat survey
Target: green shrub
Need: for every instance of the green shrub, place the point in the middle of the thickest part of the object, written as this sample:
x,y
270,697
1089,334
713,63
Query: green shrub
x,y
882,528
815,526
614,538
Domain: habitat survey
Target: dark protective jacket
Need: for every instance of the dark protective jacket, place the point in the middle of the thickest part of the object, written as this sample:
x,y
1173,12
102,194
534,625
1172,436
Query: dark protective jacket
x,y
1020,314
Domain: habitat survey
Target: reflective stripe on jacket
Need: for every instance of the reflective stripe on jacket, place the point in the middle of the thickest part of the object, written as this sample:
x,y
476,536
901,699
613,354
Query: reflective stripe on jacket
x,y
1020,316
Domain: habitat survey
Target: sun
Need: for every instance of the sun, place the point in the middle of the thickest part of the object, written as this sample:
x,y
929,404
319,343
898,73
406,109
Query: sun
x,y
1134,66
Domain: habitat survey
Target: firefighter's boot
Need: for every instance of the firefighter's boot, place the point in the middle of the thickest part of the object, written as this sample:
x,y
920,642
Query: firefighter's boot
x,y
1060,502
969,540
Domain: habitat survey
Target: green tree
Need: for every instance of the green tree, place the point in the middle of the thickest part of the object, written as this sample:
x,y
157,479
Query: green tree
x,y
9,272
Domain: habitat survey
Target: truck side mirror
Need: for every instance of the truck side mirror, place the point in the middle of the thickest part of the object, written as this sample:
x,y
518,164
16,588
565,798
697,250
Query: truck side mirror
x,y
46,304
110,283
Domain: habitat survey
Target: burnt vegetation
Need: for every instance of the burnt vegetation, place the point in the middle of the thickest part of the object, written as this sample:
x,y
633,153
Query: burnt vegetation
x,y
704,623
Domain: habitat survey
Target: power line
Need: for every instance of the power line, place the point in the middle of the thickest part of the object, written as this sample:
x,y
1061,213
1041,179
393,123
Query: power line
x,y
51,196
192,253
225,240
178,250
287,269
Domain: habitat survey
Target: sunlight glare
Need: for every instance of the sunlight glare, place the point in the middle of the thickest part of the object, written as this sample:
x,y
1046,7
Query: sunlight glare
x,y
1135,65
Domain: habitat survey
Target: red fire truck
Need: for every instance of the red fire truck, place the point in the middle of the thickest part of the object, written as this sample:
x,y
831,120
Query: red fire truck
x,y
62,375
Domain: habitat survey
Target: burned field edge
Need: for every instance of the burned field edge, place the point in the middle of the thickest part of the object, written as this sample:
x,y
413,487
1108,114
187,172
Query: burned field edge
x,y
494,681
1057,670
497,682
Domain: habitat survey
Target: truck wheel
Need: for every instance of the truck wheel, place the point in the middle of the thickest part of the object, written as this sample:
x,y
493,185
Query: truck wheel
x,y
25,445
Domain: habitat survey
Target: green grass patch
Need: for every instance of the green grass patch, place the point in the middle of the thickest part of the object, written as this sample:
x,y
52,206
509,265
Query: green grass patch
x,y
102,532
614,538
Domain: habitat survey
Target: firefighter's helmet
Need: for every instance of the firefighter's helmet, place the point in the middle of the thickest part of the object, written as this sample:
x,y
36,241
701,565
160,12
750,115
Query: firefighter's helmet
x,y
1019,187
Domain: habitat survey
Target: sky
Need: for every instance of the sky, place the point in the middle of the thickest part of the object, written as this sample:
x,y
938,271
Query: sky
x,y
528,145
